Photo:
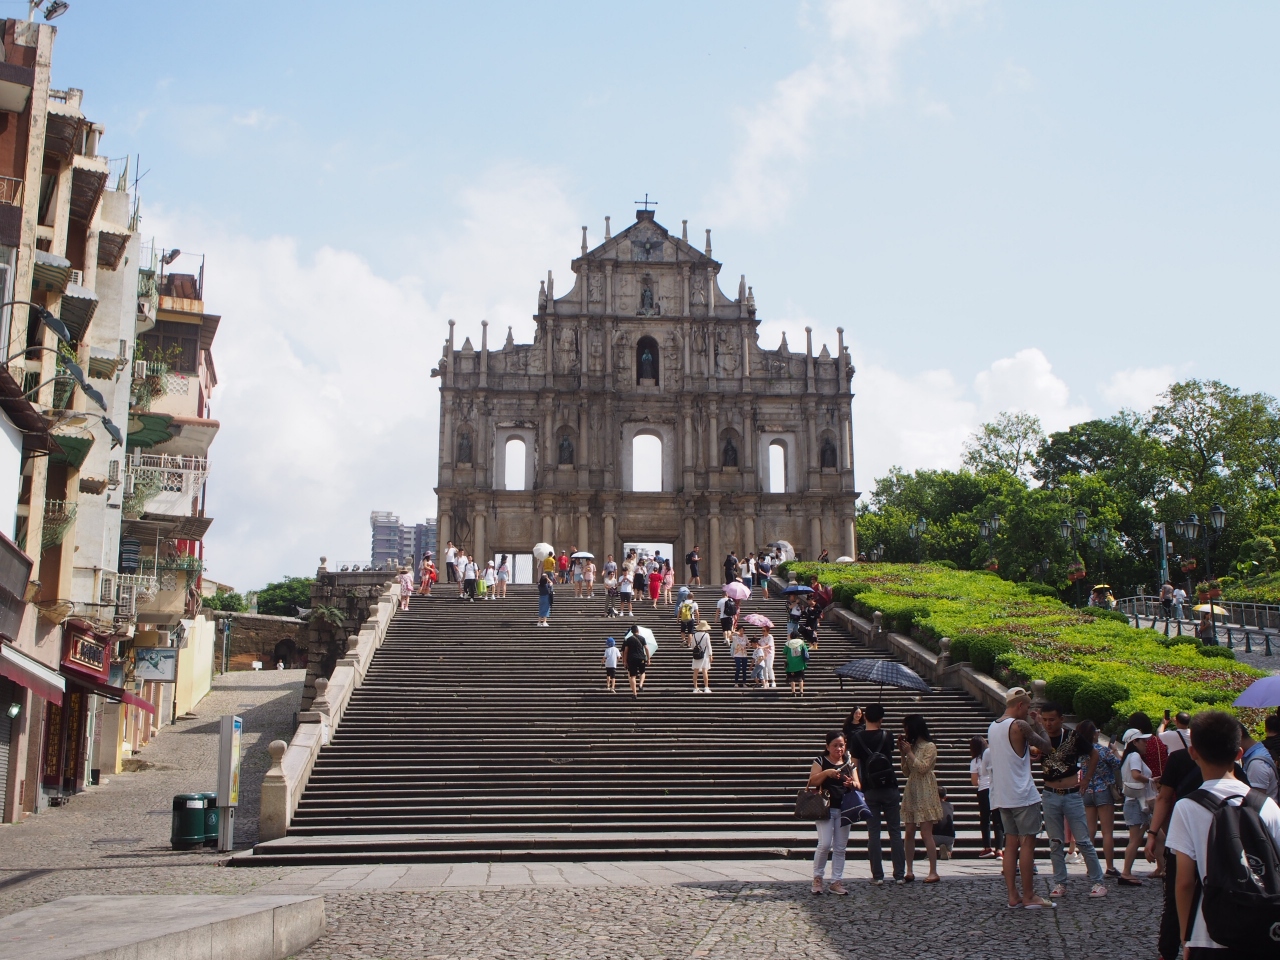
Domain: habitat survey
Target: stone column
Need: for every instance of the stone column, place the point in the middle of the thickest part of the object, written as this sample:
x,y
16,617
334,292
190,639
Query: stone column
x,y
608,289
690,538
714,439
749,531
478,537
687,452
550,328
584,535
610,537
815,537
811,415
548,521
444,525
484,354
713,522
684,299
749,438
850,542
581,458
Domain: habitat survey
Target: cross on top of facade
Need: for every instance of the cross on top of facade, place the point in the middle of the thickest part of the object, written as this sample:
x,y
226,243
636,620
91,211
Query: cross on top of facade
x,y
646,201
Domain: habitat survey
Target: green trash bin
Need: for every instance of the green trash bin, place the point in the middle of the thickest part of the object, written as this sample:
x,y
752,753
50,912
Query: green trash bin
x,y
212,818
187,830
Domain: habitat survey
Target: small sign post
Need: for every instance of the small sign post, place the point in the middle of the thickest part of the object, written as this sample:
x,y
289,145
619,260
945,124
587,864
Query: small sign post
x,y
228,780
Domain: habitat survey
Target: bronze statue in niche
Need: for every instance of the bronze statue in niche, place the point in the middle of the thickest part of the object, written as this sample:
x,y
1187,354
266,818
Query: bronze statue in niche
x,y
566,451
729,456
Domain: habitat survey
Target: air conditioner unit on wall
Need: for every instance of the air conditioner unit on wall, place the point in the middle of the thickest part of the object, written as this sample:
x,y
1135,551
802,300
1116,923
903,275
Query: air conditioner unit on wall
x,y
139,369
125,601
76,277
108,589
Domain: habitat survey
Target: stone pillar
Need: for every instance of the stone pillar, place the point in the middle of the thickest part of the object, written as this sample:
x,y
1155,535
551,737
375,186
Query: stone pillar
x,y
581,457
690,538
717,555
548,522
478,538
684,303
583,354
714,439
749,532
608,289
484,354
444,527
610,538
815,537
584,535
850,543
687,453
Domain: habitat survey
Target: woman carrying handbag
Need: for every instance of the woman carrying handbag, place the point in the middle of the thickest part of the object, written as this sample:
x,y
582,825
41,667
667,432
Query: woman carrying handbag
x,y
834,774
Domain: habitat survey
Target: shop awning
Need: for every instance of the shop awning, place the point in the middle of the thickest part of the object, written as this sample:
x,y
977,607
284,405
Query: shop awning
x,y
118,694
32,674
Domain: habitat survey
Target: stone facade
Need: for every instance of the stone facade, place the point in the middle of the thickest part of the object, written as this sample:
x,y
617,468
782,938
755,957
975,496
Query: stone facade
x,y
646,343
353,594
262,638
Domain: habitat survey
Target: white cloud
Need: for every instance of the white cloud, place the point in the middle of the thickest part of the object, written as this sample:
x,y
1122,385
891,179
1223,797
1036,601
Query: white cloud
x,y
325,399
1026,382
1137,388
854,68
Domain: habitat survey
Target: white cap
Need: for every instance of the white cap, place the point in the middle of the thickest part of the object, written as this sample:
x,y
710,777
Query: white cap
x,y
1132,734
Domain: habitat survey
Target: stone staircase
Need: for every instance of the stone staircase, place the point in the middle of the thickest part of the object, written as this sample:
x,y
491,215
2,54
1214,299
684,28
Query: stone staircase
x,y
477,736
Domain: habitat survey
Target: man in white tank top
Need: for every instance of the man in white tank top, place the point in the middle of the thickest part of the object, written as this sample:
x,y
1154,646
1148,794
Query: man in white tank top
x,y
1014,793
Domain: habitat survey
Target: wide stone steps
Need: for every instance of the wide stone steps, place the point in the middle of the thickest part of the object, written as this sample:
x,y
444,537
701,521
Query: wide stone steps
x,y
479,736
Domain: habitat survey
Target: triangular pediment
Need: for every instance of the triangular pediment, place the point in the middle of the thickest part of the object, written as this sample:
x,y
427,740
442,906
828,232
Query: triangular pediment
x,y
647,240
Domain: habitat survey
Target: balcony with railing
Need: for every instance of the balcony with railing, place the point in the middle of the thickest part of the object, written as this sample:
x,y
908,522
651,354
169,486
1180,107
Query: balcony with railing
x,y
164,485
11,191
59,515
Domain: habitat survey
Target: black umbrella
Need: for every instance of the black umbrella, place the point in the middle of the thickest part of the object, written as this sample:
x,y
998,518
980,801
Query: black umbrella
x,y
798,588
884,672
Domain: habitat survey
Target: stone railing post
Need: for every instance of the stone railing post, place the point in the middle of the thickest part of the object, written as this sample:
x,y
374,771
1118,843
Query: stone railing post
x,y
320,711
944,657
1037,691
273,816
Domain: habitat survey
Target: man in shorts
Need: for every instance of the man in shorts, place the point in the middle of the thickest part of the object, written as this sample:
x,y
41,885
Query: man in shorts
x,y
687,614
1013,791
635,655
692,559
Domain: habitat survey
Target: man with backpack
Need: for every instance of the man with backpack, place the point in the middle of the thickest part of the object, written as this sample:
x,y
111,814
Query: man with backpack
x,y
691,558
1259,768
635,656
727,609
687,614
873,749
1226,837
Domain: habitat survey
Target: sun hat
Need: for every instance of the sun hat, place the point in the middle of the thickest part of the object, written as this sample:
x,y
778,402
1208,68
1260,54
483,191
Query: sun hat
x,y
1132,734
702,625
1016,695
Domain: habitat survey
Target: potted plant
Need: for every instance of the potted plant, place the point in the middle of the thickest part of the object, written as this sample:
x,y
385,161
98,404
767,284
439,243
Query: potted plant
x,y
1202,591
1075,571
1188,564
1215,589
993,564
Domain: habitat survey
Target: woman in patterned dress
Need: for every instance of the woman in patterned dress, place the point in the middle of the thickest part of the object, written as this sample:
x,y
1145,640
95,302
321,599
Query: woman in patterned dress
x,y
920,804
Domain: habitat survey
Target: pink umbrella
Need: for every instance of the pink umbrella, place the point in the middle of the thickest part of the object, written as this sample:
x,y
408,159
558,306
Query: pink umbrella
x,y
758,620
737,590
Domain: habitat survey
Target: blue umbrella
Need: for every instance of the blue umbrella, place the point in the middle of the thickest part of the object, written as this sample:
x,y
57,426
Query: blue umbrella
x,y
884,672
798,588
1261,693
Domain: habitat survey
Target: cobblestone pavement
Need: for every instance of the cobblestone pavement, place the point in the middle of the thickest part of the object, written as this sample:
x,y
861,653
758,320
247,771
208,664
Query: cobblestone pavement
x,y
959,918
114,838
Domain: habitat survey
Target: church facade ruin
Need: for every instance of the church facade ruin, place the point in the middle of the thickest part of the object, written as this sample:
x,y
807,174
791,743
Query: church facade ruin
x,y
645,356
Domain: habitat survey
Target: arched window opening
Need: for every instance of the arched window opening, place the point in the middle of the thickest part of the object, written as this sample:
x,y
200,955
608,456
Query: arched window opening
x,y
647,361
646,464
515,464
828,453
777,467
464,447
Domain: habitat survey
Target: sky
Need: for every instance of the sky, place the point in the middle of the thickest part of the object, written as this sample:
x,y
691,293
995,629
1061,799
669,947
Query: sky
x,y
1006,206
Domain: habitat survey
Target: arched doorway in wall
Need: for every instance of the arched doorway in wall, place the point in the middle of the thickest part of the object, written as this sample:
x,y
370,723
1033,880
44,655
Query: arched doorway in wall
x,y
514,475
646,463
777,467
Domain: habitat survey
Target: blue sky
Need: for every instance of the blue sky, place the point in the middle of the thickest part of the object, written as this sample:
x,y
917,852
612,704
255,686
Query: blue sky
x,y
1006,206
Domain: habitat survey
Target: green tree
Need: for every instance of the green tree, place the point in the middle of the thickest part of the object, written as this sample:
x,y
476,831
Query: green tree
x,y
1008,443
229,601
283,598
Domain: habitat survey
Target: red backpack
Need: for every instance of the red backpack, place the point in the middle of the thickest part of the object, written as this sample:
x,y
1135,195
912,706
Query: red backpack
x,y
1155,755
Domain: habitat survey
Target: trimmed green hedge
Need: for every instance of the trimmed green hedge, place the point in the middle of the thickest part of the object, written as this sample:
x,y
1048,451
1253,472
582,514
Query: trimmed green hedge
x,y
1015,634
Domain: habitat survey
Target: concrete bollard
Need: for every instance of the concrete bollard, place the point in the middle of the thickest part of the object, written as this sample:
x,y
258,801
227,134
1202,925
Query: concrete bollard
x,y
944,659
273,816
1037,691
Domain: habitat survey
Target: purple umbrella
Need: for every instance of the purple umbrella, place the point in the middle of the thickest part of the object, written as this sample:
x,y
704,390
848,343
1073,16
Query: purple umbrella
x,y
1261,693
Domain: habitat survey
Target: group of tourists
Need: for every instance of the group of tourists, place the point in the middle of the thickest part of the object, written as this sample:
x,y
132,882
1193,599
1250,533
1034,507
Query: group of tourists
x,y
1198,795
473,577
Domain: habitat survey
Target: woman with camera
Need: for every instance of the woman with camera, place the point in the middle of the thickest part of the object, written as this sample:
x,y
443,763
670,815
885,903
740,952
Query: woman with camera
x,y
834,774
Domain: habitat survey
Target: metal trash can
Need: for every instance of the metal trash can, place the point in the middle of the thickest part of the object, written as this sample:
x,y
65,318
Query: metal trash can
x,y
212,818
187,830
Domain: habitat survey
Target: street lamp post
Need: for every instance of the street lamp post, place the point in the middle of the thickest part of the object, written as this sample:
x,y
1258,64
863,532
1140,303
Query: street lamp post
x,y
1159,532
1072,530
916,533
1192,529
987,529
1099,542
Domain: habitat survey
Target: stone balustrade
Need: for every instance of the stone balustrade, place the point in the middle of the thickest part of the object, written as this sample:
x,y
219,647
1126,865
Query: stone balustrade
x,y
292,762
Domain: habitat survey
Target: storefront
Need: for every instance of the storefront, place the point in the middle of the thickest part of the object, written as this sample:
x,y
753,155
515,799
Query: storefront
x,y
86,666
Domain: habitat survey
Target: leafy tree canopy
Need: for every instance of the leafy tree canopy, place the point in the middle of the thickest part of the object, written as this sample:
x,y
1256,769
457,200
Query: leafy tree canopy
x,y
283,598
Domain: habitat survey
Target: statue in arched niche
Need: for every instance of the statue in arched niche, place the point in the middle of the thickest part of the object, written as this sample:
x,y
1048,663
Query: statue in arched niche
x,y
729,456
828,454
464,447
566,451
647,365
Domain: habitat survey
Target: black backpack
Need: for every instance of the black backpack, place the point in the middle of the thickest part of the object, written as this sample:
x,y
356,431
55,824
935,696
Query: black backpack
x,y
730,608
699,646
1240,898
877,768
688,557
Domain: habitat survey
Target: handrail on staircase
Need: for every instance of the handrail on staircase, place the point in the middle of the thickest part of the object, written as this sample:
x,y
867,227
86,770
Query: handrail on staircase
x,y
292,762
